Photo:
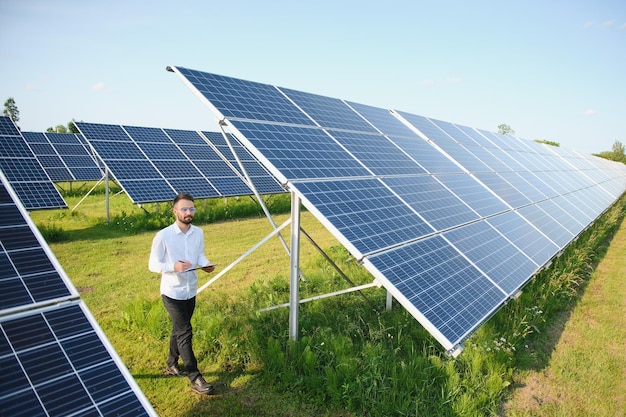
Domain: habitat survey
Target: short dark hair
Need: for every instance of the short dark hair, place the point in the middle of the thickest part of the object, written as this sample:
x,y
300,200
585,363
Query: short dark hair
x,y
182,196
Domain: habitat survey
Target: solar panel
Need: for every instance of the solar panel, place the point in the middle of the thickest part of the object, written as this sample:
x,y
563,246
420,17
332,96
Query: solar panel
x,y
154,164
55,359
22,169
452,220
64,156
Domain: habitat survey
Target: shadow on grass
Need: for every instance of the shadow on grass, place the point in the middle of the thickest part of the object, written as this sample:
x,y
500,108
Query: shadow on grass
x,y
541,347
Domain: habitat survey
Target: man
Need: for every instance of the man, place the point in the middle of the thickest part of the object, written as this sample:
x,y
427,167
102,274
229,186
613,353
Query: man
x,y
177,251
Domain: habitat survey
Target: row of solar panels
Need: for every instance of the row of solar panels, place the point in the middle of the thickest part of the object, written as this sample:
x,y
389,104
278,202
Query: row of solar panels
x,y
54,357
150,164
452,220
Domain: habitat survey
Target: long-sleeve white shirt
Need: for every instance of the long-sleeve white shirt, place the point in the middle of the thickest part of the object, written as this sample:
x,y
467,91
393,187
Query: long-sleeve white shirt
x,y
171,245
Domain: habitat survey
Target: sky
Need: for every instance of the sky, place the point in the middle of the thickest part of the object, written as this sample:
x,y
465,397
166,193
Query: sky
x,y
551,70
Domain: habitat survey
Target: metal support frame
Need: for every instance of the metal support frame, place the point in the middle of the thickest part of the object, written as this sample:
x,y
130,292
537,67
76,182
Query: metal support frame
x,y
294,287
293,251
245,255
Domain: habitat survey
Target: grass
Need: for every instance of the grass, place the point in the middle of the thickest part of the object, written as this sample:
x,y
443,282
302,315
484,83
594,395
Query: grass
x,y
351,359
585,372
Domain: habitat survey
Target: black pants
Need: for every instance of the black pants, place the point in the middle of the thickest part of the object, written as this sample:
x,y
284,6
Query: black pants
x,y
180,312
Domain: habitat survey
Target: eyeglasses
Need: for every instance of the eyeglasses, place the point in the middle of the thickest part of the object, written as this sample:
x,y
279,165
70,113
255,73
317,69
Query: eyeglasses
x,y
187,209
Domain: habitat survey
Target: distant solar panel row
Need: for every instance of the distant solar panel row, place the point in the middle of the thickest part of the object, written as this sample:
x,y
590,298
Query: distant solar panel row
x,y
65,157
55,360
451,220
22,169
153,164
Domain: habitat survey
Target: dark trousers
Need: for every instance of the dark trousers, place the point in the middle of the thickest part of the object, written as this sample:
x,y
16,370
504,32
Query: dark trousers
x,y
180,312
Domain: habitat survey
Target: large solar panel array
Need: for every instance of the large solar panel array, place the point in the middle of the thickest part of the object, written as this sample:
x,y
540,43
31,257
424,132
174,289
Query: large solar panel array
x,y
65,157
452,220
55,359
154,164
22,169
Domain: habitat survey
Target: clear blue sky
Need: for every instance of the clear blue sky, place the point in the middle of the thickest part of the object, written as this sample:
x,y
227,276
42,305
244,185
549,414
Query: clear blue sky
x,y
552,70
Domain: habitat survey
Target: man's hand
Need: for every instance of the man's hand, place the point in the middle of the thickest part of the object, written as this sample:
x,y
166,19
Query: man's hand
x,y
182,265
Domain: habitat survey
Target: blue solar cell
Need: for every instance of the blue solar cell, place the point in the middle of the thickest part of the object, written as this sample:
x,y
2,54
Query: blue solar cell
x,y
51,162
495,256
328,112
572,224
383,120
177,169
118,150
231,186
286,146
186,136
38,195
198,187
503,189
148,190
464,157
475,195
528,239
163,161
548,225
245,99
133,170
454,132
527,188
476,137
22,169
377,153
435,203
365,212
47,340
200,152
55,369
448,292
94,132
147,134
426,155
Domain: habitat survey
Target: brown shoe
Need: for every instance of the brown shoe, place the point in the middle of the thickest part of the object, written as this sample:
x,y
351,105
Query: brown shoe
x,y
174,370
200,386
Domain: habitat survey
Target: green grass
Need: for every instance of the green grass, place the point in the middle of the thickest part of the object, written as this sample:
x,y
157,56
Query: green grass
x,y
584,375
351,359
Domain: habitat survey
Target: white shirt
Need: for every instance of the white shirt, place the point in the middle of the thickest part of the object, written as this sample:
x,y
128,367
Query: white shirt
x,y
171,245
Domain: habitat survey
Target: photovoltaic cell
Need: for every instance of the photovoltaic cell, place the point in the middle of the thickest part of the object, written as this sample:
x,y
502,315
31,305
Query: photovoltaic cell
x,y
76,156
55,359
246,100
452,220
22,169
364,211
154,164
328,112
502,262
435,203
432,279
301,153
59,365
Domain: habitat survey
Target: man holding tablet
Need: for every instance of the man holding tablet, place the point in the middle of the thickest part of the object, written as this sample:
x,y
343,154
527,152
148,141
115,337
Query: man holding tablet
x,y
177,253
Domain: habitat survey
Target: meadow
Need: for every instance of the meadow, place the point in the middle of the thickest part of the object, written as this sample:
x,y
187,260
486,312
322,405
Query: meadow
x,y
352,357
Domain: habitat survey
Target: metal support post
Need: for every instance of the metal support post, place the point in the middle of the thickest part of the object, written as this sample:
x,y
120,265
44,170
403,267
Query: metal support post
x,y
295,267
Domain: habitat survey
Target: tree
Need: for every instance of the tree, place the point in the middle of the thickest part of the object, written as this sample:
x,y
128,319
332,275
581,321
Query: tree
x,y
618,153
10,109
618,150
548,142
58,129
71,128
505,130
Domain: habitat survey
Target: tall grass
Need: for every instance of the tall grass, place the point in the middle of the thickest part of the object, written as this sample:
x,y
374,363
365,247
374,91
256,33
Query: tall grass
x,y
357,359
